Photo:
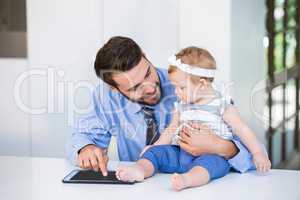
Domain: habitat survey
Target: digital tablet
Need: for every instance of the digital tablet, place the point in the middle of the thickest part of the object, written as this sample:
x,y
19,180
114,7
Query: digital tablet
x,y
90,176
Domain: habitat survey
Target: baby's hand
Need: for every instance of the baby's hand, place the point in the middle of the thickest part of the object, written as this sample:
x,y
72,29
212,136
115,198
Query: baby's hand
x,y
261,162
145,149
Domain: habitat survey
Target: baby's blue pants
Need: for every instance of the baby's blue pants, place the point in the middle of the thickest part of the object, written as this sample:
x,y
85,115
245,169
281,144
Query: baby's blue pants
x,y
172,159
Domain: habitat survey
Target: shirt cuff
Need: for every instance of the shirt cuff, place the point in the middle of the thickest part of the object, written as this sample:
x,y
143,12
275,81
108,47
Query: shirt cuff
x,y
242,162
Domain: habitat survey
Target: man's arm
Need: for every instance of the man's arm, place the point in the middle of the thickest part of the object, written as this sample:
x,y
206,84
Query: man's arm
x,y
232,117
201,140
167,135
90,139
76,142
242,161
225,148
79,141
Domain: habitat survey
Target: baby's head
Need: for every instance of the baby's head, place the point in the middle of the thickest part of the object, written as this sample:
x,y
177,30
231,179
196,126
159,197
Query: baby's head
x,y
194,81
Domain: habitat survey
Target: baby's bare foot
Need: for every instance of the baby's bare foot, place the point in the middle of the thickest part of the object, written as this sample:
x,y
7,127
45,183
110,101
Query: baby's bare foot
x,y
178,182
130,173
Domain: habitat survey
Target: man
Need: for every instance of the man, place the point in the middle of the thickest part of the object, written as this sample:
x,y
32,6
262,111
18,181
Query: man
x,y
134,103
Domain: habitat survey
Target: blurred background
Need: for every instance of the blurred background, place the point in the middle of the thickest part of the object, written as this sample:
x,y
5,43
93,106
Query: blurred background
x,y
47,49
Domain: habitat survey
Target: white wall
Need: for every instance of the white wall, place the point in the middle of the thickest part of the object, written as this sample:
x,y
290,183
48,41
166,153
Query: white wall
x,y
207,24
152,23
14,124
64,36
248,66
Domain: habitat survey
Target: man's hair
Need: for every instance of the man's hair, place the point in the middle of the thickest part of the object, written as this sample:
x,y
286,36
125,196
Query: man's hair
x,y
119,54
197,57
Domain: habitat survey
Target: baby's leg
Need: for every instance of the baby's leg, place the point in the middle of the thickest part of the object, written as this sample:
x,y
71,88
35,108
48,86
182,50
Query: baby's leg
x,y
137,172
197,176
163,158
203,169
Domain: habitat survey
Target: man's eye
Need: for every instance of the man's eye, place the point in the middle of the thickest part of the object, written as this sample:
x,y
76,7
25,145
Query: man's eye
x,y
148,74
133,89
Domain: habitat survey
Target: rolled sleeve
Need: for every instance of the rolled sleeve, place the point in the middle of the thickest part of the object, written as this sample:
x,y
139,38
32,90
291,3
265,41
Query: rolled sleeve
x,y
242,162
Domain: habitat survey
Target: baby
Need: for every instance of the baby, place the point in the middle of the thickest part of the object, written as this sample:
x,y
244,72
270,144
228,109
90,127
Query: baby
x,y
192,71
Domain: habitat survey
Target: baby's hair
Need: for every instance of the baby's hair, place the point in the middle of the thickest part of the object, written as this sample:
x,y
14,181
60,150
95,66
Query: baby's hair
x,y
197,57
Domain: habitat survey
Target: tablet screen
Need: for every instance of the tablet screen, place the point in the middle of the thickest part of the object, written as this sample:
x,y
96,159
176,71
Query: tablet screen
x,y
91,176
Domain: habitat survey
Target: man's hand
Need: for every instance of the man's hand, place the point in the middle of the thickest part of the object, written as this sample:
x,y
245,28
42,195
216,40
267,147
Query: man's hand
x,y
199,139
93,157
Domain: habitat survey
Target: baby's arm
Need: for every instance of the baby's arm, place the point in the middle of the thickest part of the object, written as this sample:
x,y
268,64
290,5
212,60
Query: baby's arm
x,y
167,135
231,117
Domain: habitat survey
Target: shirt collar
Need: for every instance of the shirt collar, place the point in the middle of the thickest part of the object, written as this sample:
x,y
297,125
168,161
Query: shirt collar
x,y
133,106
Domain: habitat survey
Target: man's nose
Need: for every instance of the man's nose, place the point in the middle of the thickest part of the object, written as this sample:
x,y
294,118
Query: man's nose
x,y
149,89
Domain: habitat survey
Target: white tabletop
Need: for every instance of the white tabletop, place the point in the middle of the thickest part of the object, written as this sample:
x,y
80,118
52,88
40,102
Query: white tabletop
x,y
40,179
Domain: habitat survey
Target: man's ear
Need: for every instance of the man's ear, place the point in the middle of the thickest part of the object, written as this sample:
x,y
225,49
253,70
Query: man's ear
x,y
144,55
113,88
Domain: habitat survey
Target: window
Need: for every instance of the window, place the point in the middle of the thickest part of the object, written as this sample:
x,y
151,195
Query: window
x,y
13,41
283,52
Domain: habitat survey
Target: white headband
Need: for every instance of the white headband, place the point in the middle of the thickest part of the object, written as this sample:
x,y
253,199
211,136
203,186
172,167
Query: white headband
x,y
197,71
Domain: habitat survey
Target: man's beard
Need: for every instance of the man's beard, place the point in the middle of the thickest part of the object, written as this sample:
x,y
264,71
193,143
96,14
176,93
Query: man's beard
x,y
141,100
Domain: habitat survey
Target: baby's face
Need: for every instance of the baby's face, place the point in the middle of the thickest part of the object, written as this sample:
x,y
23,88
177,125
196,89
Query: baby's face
x,y
185,89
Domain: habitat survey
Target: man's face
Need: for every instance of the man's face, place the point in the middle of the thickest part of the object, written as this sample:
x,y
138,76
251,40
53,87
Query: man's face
x,y
140,84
